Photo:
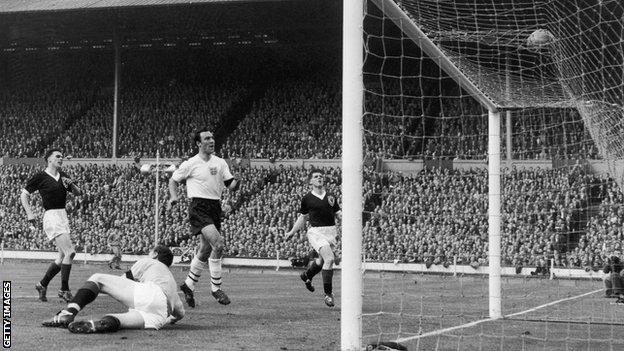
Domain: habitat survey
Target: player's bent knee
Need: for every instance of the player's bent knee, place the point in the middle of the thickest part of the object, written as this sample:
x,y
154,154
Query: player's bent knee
x,y
218,247
204,250
96,278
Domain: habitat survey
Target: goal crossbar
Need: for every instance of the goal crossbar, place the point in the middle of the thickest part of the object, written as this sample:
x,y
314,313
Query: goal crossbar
x,y
407,25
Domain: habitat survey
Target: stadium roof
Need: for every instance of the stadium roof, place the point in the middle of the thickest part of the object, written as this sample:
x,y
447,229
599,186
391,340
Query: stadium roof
x,y
43,24
12,6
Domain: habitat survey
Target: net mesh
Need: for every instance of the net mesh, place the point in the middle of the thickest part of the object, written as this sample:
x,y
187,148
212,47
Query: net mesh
x,y
561,97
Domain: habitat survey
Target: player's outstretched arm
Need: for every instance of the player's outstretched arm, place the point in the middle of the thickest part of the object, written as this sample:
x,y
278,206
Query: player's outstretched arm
x,y
299,223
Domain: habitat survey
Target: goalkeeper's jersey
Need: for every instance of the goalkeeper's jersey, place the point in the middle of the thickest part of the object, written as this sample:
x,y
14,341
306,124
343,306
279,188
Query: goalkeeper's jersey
x,y
152,270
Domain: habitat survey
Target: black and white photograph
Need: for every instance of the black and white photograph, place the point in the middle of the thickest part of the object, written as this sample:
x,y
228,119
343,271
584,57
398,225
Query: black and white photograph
x,y
284,175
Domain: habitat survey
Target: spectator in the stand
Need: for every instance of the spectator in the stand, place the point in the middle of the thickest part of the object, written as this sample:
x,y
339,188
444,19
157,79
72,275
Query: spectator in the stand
x,y
114,243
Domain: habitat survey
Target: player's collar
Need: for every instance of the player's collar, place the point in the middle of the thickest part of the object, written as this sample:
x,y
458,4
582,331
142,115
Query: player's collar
x,y
321,196
205,159
56,177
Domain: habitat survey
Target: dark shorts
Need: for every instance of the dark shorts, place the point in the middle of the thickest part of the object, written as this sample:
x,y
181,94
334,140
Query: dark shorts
x,y
203,212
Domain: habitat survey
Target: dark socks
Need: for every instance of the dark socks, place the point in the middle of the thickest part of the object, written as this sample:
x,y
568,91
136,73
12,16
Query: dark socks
x,y
86,294
52,271
65,270
327,274
312,270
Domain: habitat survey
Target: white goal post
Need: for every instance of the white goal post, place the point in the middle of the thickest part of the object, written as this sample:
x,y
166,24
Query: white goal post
x,y
352,163
352,175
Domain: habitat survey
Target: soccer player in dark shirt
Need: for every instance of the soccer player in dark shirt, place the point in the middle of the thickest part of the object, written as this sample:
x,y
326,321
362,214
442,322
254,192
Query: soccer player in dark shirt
x,y
53,185
319,208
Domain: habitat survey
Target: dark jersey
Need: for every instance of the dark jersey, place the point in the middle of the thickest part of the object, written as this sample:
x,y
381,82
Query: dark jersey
x,y
321,211
53,192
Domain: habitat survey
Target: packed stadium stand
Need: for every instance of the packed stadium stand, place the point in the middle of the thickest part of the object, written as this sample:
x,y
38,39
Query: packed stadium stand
x,y
283,103
284,112
433,216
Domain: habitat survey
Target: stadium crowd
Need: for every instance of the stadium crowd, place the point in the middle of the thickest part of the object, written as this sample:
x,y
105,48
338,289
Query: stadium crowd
x,y
434,216
151,118
295,119
30,119
292,117
287,111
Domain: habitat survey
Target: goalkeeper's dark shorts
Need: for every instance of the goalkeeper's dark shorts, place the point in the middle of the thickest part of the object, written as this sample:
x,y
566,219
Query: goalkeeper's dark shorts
x,y
204,212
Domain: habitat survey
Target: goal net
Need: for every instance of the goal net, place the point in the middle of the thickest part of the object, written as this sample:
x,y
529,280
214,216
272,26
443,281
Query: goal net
x,y
491,119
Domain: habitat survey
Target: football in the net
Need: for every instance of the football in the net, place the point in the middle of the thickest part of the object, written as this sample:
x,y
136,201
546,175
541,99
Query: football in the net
x,y
540,37
146,168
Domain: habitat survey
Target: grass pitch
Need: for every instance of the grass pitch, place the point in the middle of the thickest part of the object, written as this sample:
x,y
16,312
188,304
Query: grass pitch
x,y
269,311
273,311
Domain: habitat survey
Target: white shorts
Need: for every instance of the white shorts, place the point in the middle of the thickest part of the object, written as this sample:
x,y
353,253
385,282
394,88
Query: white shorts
x,y
55,223
151,303
322,236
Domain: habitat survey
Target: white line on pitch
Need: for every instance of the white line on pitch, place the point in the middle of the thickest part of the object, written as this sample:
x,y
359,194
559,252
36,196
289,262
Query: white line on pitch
x,y
472,324
553,303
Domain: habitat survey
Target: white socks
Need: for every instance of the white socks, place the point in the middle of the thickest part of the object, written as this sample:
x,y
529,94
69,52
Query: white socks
x,y
194,273
215,273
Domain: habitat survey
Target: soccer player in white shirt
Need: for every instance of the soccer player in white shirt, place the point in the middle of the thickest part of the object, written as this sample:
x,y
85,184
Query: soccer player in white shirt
x,y
206,176
148,289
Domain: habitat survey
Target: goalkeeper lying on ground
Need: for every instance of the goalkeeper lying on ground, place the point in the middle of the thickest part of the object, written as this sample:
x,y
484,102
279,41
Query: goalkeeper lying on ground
x,y
148,289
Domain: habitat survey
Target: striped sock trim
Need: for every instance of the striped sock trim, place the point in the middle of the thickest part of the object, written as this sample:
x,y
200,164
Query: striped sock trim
x,y
74,305
194,276
215,283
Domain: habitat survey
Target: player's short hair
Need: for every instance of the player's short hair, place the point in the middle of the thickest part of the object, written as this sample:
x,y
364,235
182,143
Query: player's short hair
x,y
197,137
314,170
164,255
50,152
